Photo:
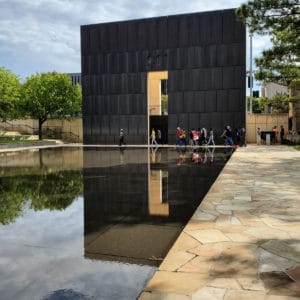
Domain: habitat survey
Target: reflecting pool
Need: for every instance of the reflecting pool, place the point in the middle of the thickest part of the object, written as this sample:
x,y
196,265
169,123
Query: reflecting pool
x,y
91,223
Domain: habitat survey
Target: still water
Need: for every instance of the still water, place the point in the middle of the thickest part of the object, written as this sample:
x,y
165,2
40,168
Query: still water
x,y
88,223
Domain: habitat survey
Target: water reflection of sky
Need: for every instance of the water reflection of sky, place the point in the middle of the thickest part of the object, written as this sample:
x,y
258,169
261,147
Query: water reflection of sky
x,y
42,252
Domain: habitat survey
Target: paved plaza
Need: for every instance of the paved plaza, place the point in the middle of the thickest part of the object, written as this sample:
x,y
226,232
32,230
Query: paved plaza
x,y
243,242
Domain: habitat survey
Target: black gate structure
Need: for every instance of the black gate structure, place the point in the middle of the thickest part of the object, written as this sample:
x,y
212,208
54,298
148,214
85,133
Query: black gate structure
x,y
204,55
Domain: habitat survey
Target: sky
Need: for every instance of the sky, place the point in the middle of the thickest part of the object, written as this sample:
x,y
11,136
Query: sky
x,y
44,35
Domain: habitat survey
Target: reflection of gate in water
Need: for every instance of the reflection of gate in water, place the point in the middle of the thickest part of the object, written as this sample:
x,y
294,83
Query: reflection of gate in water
x,y
136,201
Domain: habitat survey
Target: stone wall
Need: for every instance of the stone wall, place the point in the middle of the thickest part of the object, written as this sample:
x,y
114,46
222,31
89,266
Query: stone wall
x,y
66,129
265,122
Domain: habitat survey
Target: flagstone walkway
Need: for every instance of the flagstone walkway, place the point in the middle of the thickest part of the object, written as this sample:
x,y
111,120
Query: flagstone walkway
x,y
243,242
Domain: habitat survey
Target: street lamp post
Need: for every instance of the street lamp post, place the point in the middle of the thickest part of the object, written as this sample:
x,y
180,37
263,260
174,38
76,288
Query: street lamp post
x,y
250,71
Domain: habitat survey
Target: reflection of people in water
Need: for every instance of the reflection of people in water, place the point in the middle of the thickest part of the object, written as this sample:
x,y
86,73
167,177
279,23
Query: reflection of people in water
x,y
211,152
153,154
121,156
196,157
181,155
228,152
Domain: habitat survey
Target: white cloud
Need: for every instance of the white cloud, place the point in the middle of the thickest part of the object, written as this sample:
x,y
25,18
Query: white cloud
x,y
43,35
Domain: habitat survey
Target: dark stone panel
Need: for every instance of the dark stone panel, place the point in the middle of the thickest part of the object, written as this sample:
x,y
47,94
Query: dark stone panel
x,y
103,105
184,31
113,32
94,42
188,80
205,120
239,77
194,120
122,36
122,59
182,57
240,119
233,30
96,126
217,79
190,58
171,59
235,101
124,84
176,103
179,83
188,101
141,104
217,122
124,123
104,37
228,77
194,30
183,121
124,104
210,56
172,123
114,104
199,60
222,55
199,101
133,125
173,31
143,79
222,101
162,33
87,124
142,125
151,34
96,105
132,35
105,125
111,140
210,101
228,119
142,35
114,124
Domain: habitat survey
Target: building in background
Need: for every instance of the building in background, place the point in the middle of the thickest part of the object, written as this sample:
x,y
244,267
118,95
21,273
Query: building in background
x,y
76,78
270,89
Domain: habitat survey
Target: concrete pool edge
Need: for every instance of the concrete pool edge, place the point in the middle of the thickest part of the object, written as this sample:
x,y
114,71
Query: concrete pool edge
x,y
238,244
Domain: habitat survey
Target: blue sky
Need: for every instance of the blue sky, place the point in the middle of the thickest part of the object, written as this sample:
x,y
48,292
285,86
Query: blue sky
x,y
44,35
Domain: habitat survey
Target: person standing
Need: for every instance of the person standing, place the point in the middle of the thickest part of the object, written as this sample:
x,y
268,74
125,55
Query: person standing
x,y
153,137
227,133
159,137
243,137
121,138
258,136
210,137
281,134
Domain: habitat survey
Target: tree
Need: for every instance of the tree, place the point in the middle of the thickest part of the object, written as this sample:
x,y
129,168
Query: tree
x,y
50,190
10,88
281,20
50,95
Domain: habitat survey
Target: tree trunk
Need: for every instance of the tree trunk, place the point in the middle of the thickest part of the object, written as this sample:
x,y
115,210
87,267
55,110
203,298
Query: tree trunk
x,y
41,121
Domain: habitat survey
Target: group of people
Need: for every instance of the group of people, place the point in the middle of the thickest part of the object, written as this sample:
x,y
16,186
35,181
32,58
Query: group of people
x,y
260,138
197,137
202,136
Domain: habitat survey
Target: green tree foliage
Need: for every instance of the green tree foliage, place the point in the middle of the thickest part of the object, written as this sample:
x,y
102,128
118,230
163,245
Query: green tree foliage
x,y
280,19
51,190
10,88
49,95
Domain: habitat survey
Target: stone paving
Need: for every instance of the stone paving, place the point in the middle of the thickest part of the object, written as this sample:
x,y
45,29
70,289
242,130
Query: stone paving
x,y
243,242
